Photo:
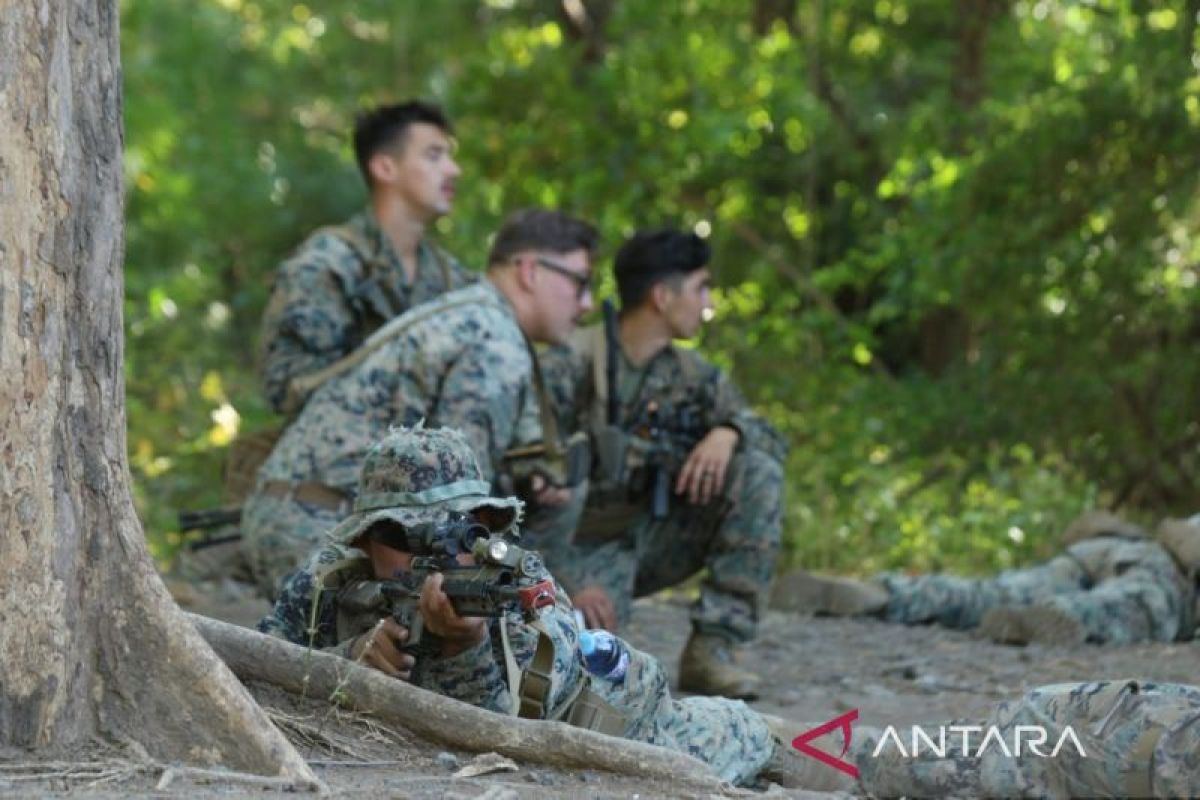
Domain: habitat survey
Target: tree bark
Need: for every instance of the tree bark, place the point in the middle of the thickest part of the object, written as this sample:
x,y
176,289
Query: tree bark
x,y
255,656
90,641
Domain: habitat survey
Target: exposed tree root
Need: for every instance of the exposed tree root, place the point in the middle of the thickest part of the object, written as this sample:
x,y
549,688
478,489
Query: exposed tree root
x,y
254,656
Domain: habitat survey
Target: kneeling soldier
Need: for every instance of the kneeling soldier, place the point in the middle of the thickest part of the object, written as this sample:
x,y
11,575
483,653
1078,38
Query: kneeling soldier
x,y
686,476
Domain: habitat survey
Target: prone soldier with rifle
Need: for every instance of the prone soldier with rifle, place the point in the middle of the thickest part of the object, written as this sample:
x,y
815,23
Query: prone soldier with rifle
x,y
685,477
428,581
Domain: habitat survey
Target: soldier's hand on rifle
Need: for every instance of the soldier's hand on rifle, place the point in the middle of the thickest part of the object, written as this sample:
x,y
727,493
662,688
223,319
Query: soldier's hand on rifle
x,y
457,633
703,474
597,608
380,648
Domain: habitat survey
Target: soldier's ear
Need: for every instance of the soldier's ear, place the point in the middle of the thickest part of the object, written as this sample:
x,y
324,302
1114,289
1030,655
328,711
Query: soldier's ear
x,y
382,167
660,295
527,271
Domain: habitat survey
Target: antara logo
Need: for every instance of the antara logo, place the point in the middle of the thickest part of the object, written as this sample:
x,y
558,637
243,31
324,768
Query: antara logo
x,y
969,741
843,723
1025,740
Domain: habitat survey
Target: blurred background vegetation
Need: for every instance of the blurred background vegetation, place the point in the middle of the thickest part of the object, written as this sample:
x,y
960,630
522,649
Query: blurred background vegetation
x,y
958,242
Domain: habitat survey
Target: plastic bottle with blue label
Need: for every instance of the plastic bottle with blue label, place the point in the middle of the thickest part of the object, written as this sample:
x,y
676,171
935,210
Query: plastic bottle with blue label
x,y
604,655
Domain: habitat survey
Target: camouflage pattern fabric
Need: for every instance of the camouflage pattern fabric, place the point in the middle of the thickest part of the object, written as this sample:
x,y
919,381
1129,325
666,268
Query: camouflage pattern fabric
x,y
1139,739
725,734
701,395
618,545
736,541
474,374
1120,590
326,300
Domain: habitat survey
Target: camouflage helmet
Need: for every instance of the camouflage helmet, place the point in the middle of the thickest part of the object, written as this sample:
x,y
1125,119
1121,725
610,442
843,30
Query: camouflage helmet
x,y
1182,538
418,475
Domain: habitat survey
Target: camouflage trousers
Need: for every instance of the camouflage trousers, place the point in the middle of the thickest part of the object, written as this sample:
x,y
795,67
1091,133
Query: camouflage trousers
x,y
725,734
1120,591
279,534
735,540
1138,739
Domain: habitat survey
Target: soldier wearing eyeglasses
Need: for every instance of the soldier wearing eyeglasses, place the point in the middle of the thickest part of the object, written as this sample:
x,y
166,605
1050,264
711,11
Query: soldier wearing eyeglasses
x,y
463,361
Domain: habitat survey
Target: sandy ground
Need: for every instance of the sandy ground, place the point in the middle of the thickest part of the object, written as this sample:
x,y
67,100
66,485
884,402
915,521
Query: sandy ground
x,y
815,669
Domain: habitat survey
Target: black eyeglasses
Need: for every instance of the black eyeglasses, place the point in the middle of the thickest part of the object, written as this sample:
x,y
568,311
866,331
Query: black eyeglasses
x,y
583,283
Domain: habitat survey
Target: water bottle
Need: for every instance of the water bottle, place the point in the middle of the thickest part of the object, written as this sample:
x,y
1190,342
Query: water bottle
x,y
604,655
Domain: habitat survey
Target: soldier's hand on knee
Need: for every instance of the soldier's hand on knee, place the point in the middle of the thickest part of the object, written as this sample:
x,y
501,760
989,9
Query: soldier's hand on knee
x,y
702,476
597,608
380,648
457,633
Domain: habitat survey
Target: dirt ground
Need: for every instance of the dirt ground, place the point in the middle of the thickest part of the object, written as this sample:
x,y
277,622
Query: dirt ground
x,y
815,668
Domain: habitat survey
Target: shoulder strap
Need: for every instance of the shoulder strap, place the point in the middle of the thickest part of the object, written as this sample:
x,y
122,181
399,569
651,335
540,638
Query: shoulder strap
x,y
443,262
356,240
300,387
550,440
598,350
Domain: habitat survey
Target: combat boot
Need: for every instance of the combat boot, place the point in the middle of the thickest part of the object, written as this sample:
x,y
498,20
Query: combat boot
x,y
824,594
707,667
1031,624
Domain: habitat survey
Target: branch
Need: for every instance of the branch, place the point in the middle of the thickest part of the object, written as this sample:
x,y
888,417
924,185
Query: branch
x,y
255,656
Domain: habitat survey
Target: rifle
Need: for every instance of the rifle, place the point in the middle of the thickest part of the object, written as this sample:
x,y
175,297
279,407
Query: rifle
x,y
208,519
669,429
504,577
651,428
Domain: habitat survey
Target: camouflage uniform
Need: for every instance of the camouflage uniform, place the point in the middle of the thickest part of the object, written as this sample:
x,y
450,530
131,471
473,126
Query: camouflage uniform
x,y
434,472
338,288
1119,589
473,373
619,545
1140,739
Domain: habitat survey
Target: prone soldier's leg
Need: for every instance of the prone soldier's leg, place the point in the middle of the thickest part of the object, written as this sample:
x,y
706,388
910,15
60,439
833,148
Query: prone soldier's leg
x,y
1145,602
958,602
725,734
1137,740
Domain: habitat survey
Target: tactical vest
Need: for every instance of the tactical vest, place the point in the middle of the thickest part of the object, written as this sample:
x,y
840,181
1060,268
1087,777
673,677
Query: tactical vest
x,y
618,494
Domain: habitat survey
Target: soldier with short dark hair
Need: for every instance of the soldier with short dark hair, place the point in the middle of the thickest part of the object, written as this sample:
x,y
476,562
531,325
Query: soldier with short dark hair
x,y
345,281
687,476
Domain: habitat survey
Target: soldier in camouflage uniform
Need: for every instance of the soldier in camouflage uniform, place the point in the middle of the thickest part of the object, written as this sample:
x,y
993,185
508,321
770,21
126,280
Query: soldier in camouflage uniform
x,y
422,476
463,360
1139,739
345,281
687,477
1113,584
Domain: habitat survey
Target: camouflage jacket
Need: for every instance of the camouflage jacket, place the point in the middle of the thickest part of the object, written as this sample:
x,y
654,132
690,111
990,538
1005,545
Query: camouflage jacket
x,y
330,295
459,361
306,614
693,395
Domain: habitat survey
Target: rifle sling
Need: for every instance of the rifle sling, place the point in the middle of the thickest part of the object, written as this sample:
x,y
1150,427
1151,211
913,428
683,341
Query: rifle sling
x,y
530,691
301,386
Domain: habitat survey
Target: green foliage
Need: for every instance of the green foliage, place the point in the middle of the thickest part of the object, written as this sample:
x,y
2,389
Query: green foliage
x,y
959,253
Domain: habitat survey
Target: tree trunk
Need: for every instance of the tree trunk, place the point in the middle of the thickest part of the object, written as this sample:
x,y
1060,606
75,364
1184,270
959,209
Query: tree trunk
x,y
90,641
